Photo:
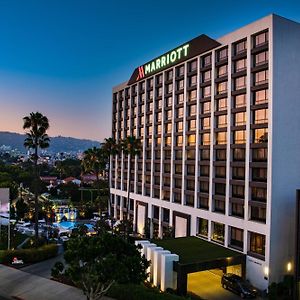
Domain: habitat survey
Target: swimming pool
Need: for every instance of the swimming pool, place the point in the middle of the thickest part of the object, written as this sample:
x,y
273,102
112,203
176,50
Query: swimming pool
x,y
72,225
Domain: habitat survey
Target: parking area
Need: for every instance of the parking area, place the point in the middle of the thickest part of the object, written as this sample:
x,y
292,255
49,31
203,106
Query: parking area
x,y
207,285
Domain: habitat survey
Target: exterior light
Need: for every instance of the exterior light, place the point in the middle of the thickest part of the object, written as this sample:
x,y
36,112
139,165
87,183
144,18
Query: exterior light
x,y
266,272
289,266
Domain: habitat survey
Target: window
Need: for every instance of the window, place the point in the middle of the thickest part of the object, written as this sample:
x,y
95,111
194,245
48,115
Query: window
x,y
206,76
178,168
191,125
205,107
261,58
257,243
220,172
204,170
259,174
240,47
261,116
180,71
261,97
259,194
168,141
204,187
206,91
258,214
203,203
219,205
193,65
222,54
237,210
221,121
220,154
190,185
239,137
222,87
190,154
205,154
240,65
159,92
167,167
221,104
261,77
179,98
259,154
221,138
179,140
260,135
236,237
178,154
218,231
202,227
205,139
180,84
179,126
193,80
206,61
191,140
165,215
192,95
239,101
261,38
220,189
178,183
238,191
169,75
168,115
238,173
205,123
240,119
189,200
222,71
169,101
240,83
239,154
179,112
192,110
190,169
177,197
169,88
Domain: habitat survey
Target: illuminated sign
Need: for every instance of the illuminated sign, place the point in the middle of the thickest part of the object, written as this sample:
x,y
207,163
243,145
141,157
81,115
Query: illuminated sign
x,y
186,51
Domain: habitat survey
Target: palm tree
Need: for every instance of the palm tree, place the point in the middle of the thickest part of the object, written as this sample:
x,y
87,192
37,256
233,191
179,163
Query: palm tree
x,y
36,126
111,148
131,147
95,161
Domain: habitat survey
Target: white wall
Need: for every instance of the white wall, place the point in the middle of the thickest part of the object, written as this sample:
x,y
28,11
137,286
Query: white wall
x,y
141,214
4,199
180,227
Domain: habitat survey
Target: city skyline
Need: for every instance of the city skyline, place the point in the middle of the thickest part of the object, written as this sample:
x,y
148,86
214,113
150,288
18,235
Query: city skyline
x,y
64,59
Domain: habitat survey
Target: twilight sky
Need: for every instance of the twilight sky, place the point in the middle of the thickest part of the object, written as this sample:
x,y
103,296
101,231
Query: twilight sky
x,y
62,57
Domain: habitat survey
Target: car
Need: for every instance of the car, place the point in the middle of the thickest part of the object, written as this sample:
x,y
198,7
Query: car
x,y
237,285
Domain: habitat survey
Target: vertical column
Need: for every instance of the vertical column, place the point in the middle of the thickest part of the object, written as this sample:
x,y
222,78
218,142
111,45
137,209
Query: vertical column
x,y
248,139
197,135
160,232
162,139
184,135
152,137
144,137
212,135
172,137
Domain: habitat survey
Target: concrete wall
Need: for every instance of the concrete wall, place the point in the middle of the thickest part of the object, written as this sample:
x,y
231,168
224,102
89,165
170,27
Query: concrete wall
x,y
4,199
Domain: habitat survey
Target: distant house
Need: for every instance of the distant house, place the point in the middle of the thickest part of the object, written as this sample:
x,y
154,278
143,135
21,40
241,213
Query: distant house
x,y
71,179
49,179
88,178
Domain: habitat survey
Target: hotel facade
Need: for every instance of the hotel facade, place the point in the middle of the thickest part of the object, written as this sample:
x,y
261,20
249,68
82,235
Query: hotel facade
x,y
219,121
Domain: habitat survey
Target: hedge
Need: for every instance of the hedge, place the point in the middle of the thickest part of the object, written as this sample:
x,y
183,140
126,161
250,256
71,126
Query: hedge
x,y
138,292
29,255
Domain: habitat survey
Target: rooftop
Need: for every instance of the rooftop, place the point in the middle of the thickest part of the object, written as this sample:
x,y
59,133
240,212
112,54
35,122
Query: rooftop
x,y
195,250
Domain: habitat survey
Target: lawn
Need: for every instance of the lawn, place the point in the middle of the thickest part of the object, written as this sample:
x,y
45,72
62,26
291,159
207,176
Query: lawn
x,y
193,249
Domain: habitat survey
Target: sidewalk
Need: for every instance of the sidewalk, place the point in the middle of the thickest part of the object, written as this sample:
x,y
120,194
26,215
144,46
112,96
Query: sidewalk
x,y
16,283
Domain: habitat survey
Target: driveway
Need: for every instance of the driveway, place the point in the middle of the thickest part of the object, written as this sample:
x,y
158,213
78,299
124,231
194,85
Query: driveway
x,y
207,285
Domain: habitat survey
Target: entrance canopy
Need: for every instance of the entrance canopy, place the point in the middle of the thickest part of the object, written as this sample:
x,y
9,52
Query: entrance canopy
x,y
197,255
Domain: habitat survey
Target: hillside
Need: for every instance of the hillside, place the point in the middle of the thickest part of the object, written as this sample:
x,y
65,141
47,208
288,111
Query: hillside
x,y
57,144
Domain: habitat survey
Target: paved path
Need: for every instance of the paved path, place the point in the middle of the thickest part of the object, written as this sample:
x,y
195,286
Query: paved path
x,y
32,287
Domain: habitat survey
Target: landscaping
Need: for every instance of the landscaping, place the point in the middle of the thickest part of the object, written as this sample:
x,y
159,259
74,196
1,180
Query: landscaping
x,y
16,238
193,249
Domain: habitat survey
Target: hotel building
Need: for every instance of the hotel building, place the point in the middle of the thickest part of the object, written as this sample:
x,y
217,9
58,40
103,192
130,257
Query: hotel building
x,y
219,121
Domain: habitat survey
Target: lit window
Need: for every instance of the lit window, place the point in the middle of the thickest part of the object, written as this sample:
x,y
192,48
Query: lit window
x,y
222,71
206,76
257,243
261,58
261,116
240,101
239,137
261,77
261,38
261,97
240,65
240,119
240,47
240,83
222,87
221,138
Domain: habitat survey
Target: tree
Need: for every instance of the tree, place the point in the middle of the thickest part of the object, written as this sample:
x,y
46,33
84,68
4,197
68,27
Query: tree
x,y
22,209
131,147
95,161
111,148
96,263
36,126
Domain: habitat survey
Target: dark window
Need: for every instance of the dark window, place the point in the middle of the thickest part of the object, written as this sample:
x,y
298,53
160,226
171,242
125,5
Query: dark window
x,y
257,243
239,154
238,191
237,237
259,174
166,215
219,206
155,212
189,200
238,173
205,154
240,47
204,187
204,170
218,231
177,197
190,169
220,172
259,194
258,214
220,188
202,227
260,154
203,203
220,154
237,210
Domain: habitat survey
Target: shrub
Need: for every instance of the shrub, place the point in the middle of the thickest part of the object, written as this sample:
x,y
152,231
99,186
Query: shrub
x,y
29,255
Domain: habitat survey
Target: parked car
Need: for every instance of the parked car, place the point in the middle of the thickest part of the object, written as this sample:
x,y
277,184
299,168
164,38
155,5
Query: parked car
x,y
237,285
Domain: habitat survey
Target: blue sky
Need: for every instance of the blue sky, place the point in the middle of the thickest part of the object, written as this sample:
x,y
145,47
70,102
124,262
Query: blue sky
x,y
62,57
